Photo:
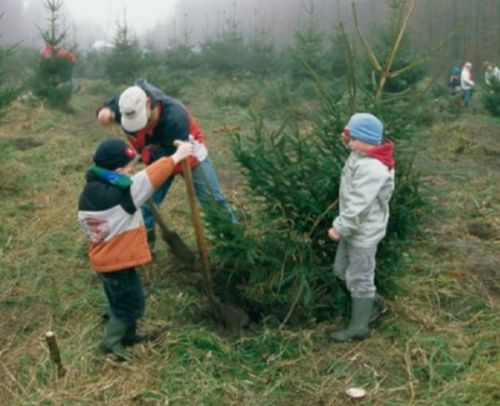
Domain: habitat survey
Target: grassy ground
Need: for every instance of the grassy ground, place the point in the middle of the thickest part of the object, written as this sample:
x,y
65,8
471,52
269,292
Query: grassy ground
x,y
438,344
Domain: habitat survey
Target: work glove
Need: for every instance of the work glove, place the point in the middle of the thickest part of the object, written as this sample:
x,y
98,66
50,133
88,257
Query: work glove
x,y
184,149
200,150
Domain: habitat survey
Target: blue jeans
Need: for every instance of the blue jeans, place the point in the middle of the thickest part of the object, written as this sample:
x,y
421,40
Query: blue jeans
x,y
466,96
206,187
124,292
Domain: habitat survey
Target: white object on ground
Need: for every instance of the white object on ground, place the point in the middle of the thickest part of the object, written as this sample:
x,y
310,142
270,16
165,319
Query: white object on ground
x,y
356,393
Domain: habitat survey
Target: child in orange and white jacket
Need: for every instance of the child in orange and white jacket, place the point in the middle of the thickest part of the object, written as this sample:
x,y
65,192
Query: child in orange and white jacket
x,y
109,213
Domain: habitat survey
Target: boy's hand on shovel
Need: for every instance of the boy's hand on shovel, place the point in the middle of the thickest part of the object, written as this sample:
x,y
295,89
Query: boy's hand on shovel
x,y
184,150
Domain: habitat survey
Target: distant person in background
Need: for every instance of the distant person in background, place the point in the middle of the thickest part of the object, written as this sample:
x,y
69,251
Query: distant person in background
x,y
152,122
49,51
491,72
454,86
467,83
46,52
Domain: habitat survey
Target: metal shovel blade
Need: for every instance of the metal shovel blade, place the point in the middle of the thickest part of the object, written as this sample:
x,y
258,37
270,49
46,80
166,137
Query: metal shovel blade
x,y
174,241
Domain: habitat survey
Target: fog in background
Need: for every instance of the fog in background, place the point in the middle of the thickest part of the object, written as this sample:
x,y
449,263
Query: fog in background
x,y
162,22
278,18
85,20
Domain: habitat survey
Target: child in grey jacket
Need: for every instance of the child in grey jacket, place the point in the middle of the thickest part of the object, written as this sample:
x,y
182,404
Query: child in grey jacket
x,y
366,186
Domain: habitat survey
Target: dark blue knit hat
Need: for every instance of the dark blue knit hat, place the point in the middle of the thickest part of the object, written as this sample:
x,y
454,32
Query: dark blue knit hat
x,y
113,154
366,127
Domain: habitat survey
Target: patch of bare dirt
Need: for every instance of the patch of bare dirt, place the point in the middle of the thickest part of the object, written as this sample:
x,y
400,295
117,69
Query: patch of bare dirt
x,y
25,143
483,231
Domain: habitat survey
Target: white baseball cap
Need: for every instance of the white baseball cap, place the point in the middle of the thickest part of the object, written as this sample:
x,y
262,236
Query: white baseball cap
x,y
132,104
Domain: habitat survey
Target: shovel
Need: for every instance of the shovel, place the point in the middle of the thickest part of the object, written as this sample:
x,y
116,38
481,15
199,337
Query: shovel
x,y
174,241
232,317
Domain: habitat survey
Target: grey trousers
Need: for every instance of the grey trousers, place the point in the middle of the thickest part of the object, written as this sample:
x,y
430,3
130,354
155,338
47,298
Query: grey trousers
x,y
356,266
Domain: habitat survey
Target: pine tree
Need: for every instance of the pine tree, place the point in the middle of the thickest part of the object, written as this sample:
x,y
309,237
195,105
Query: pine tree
x,y
263,58
277,261
124,62
406,80
227,53
7,92
179,55
491,98
53,78
337,56
308,52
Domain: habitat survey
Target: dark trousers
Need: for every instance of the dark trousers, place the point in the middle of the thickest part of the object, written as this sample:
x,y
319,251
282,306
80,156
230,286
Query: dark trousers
x,y
125,295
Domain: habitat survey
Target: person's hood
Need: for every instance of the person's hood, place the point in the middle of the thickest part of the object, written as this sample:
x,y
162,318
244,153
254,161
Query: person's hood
x,y
384,153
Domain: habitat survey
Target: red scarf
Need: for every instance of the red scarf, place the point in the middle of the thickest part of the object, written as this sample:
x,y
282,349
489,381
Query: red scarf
x,y
384,153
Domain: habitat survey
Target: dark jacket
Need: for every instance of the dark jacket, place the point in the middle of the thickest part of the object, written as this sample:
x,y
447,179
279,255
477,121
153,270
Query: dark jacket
x,y
109,217
175,122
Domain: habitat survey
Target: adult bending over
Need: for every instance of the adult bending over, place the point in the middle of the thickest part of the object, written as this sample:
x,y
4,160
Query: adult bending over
x,y
152,122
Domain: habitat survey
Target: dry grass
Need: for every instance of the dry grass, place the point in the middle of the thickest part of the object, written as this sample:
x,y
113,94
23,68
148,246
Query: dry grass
x,y
438,344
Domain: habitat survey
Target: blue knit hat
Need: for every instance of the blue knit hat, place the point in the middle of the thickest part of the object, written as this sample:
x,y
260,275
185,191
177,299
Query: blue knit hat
x,y
366,127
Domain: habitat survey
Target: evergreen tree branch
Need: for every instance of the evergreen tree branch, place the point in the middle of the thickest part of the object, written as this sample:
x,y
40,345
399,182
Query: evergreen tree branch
x,y
424,58
371,55
401,28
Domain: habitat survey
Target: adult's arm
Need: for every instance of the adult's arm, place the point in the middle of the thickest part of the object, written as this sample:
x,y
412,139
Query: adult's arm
x,y
109,112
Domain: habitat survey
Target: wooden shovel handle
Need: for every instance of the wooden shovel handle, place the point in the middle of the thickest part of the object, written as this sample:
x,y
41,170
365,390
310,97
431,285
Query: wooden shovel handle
x,y
158,217
195,214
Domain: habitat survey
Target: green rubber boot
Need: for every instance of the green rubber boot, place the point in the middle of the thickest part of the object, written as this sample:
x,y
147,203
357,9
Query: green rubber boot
x,y
358,325
132,337
112,343
378,309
